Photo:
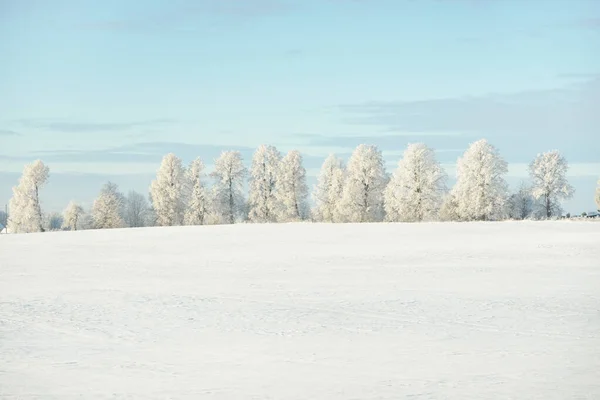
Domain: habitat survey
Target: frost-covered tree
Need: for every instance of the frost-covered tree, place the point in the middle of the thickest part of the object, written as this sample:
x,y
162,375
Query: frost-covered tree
x,y
598,195
521,204
107,211
72,216
228,194
362,198
291,188
449,209
136,210
166,192
25,207
417,188
329,189
198,203
549,176
481,190
262,198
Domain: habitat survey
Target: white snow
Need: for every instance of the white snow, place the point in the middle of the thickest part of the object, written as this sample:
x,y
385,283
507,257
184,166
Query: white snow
x,y
303,311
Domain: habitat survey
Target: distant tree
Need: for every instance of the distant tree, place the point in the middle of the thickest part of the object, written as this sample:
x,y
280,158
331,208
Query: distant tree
x,y
167,192
198,204
522,203
449,209
548,172
72,216
54,222
262,198
416,190
584,214
480,190
25,208
598,195
329,189
137,209
362,199
228,195
86,221
3,220
291,189
107,210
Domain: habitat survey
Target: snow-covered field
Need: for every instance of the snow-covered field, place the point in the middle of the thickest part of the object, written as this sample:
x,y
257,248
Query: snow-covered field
x,y
303,311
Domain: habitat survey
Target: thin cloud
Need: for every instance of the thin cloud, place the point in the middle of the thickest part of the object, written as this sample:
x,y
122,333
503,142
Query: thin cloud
x,y
70,126
8,132
521,123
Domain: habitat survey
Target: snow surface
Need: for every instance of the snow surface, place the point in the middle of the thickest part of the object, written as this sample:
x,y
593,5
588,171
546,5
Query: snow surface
x,y
303,311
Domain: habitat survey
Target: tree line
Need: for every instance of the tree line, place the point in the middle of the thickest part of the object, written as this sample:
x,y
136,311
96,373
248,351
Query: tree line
x,y
357,191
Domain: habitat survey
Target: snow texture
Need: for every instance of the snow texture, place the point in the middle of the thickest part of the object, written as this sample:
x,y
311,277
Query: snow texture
x,y
303,311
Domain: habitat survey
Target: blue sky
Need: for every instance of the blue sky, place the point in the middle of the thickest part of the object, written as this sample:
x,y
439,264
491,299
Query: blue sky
x,y
101,90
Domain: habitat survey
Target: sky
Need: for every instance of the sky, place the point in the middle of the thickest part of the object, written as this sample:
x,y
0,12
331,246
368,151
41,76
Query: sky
x,y
102,90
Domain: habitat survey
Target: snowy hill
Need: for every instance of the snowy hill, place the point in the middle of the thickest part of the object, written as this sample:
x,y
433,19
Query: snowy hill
x,y
303,311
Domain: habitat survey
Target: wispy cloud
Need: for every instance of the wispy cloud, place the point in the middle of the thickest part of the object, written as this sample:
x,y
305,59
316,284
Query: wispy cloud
x,y
524,122
72,126
8,132
587,23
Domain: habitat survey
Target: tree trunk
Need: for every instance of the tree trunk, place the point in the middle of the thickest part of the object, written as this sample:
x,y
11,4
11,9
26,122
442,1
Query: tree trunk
x,y
231,205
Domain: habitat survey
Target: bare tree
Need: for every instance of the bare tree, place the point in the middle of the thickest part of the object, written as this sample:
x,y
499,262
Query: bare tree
x,y
137,210
521,204
3,221
54,222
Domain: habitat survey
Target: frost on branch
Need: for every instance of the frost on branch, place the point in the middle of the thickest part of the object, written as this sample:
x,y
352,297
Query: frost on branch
x,y
481,191
262,199
417,187
72,216
291,189
549,176
329,189
362,199
25,208
228,190
107,211
166,192
198,204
